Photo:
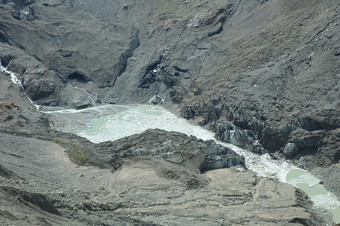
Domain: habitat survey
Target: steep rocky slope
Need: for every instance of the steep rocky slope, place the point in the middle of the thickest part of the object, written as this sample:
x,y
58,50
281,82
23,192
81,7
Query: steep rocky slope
x,y
154,178
153,188
262,70
269,67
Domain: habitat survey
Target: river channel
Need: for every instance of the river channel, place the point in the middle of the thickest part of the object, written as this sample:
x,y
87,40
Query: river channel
x,y
112,122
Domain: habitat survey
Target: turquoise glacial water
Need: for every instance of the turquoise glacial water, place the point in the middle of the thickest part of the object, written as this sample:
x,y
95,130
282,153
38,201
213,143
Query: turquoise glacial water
x,y
129,120
316,191
136,119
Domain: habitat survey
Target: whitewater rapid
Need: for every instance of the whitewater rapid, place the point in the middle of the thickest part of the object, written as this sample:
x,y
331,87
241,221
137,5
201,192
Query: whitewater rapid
x,y
136,119
17,81
112,122
142,117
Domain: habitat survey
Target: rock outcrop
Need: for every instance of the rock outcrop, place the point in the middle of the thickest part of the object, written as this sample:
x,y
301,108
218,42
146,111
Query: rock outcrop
x,y
155,183
262,74
231,62
154,178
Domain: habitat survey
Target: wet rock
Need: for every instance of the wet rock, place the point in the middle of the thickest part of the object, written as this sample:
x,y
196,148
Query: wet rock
x,y
6,59
244,138
304,140
258,149
272,138
221,161
188,112
152,73
337,53
290,150
147,79
157,100
245,120
238,137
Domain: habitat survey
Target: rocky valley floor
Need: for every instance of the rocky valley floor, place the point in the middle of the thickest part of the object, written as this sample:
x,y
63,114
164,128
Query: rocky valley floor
x,y
44,187
262,74
52,178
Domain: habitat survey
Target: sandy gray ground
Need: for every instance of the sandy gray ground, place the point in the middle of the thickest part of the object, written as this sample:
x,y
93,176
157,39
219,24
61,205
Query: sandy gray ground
x,y
40,185
136,193
269,67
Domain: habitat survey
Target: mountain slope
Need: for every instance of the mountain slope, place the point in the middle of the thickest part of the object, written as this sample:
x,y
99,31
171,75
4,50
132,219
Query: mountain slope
x,y
271,67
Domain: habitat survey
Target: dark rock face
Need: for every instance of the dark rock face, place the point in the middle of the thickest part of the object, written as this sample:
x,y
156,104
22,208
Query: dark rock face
x,y
290,150
40,90
36,199
6,173
232,134
262,74
154,178
221,158
162,148
154,173
325,119
255,74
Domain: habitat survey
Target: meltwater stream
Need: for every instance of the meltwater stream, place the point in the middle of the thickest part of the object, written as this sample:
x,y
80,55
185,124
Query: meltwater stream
x,y
112,122
17,81
129,120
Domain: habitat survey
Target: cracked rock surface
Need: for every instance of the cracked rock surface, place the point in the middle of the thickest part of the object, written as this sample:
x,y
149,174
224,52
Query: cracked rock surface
x,y
262,74
268,67
153,178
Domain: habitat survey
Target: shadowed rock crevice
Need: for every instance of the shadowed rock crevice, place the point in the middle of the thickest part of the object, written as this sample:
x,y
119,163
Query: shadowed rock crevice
x,y
3,37
262,74
6,173
325,119
78,77
38,200
220,18
150,73
134,44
